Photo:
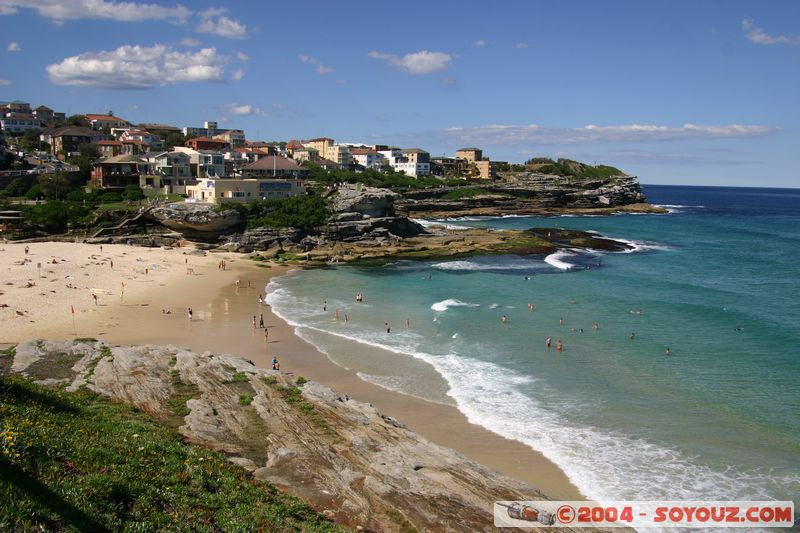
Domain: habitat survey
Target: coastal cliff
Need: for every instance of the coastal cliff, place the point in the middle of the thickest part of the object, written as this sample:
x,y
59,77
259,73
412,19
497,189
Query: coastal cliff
x,y
528,193
354,465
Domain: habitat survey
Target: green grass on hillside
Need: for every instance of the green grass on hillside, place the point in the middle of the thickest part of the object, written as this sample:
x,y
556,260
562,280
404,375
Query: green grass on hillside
x,y
77,462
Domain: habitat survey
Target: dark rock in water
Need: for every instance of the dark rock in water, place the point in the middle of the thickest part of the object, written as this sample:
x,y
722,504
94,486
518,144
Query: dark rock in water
x,y
568,238
198,221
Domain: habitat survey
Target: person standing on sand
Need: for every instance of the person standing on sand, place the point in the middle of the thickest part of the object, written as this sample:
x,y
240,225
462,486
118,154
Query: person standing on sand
x,y
266,335
254,321
259,300
112,264
27,249
190,313
261,321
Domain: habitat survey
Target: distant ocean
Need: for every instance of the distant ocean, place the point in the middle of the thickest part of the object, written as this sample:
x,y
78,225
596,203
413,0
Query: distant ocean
x,y
716,281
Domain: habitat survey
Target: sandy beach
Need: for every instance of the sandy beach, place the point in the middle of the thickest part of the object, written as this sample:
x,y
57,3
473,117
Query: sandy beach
x,y
144,299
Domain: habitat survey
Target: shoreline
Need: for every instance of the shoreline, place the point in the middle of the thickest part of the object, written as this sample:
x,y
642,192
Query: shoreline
x,y
222,322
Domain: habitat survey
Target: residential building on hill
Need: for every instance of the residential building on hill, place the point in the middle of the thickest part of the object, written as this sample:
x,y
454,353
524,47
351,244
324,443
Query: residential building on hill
x,y
412,161
47,115
116,172
320,144
243,190
274,166
18,122
368,158
167,172
17,106
234,138
470,154
66,140
207,143
99,122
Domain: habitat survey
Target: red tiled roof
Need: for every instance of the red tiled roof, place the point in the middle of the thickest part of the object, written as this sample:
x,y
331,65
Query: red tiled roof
x,y
273,161
104,118
362,151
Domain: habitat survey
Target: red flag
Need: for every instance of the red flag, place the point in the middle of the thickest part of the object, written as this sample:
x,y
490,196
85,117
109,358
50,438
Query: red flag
x,y
71,309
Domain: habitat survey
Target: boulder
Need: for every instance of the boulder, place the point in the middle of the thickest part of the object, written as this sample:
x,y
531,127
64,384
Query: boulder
x,y
367,201
198,220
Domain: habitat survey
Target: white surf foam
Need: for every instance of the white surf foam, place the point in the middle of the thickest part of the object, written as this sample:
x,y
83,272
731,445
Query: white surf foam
x,y
444,305
557,260
476,266
603,464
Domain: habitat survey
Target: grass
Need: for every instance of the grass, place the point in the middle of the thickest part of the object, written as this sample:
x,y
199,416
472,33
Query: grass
x,y
11,351
238,377
294,397
77,462
245,399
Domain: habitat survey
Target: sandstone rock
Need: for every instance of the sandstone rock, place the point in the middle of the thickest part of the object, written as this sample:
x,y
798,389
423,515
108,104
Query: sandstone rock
x,y
347,456
366,201
197,220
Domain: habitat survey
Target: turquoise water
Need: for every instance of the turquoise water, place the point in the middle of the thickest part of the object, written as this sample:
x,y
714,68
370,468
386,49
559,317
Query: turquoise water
x,y
715,281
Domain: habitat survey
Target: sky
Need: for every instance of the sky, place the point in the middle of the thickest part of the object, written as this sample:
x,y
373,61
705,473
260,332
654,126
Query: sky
x,y
696,92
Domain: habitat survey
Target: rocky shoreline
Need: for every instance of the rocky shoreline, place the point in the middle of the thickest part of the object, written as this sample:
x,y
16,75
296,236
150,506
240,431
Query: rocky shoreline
x,y
355,465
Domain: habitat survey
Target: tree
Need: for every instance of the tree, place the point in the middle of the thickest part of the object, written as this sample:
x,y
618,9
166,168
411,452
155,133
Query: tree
x,y
133,193
173,139
78,120
53,184
89,153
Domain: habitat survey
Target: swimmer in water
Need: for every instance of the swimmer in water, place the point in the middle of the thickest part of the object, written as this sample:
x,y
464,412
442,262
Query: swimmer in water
x,y
559,346
549,342
667,352
632,335
504,319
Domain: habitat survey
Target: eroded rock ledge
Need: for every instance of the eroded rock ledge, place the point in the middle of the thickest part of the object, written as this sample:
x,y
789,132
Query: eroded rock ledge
x,y
354,464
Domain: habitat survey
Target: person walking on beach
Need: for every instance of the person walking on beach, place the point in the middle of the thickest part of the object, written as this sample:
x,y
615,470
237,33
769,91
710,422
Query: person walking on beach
x,y
549,342
261,321
27,249
260,301
266,335
388,327
189,312
254,321
112,264
325,305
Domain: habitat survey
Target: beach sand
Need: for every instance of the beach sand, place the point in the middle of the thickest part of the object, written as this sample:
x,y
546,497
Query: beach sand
x,y
222,322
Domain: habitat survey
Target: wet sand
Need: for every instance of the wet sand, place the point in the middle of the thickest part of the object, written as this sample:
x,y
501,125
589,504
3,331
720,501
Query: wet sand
x,y
222,322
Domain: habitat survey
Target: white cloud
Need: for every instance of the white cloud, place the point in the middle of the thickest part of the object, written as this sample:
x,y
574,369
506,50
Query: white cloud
x,y
533,134
188,41
480,42
756,35
14,47
62,10
422,62
520,46
321,69
242,109
138,67
241,56
237,75
5,82
214,21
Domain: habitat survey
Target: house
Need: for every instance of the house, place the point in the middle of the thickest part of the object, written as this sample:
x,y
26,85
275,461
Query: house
x,y
99,122
234,138
209,129
46,115
368,158
66,140
243,190
204,163
306,154
340,154
207,143
18,122
448,166
168,172
320,144
412,161
116,172
17,106
109,148
274,166
481,166
154,142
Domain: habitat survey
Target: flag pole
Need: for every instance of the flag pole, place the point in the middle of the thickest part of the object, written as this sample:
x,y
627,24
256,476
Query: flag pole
x,y
74,327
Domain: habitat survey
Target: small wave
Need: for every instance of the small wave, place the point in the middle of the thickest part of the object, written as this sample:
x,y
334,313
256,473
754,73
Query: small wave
x,y
431,223
557,260
474,265
444,305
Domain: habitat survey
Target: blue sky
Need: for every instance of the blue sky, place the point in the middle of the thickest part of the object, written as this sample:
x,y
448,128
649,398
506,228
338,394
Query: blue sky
x,y
678,92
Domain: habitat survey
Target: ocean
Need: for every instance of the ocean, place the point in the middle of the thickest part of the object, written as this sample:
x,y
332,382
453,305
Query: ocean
x,y
703,402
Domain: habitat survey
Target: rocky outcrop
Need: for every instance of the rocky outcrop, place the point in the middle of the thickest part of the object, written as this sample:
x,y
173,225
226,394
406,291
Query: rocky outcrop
x,y
527,194
197,220
368,201
354,464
